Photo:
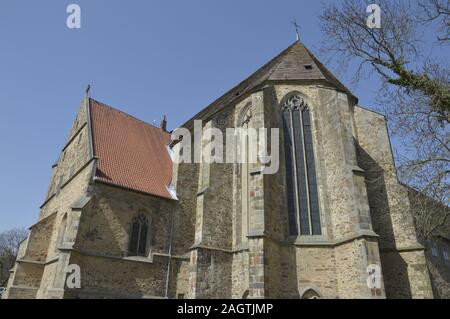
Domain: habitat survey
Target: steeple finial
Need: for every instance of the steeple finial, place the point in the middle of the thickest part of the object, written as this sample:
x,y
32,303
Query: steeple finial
x,y
164,124
86,92
297,27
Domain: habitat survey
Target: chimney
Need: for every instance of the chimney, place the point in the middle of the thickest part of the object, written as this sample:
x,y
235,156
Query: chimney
x,y
164,124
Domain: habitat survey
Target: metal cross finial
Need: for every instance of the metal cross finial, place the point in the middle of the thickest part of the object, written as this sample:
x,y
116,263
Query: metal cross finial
x,y
297,27
86,92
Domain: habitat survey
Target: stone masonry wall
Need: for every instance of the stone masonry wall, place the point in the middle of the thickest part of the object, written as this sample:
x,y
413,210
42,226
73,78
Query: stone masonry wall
x,y
240,275
406,275
210,274
106,222
74,155
403,261
186,186
131,279
342,199
316,270
39,240
70,180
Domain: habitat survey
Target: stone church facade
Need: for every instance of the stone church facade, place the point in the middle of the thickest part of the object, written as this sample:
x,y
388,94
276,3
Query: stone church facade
x,y
140,226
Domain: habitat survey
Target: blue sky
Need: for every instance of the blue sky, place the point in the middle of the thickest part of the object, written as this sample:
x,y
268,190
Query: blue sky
x,y
144,57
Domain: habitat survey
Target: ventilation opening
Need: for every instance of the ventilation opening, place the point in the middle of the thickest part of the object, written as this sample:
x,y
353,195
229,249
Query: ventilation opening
x,y
308,66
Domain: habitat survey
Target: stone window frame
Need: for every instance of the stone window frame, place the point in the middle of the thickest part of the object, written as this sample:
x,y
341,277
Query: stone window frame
x,y
244,121
141,218
297,102
311,293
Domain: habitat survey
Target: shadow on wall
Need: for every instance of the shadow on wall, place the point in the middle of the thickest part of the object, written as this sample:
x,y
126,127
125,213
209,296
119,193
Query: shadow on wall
x,y
394,267
439,271
95,233
289,275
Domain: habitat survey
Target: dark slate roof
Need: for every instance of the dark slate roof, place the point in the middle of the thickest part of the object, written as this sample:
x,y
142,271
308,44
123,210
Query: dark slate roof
x,y
288,65
131,153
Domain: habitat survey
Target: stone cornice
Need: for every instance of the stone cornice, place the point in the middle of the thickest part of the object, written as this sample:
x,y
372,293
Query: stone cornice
x,y
124,258
417,247
39,263
229,251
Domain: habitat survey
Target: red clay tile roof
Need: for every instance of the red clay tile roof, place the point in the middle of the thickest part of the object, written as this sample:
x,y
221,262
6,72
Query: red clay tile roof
x,y
131,153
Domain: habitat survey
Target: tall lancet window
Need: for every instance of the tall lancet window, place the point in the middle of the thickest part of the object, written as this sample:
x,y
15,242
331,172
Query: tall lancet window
x,y
138,236
245,180
303,203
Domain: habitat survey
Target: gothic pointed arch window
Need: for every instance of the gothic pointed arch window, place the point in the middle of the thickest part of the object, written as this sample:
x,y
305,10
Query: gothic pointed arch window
x,y
310,294
303,203
139,236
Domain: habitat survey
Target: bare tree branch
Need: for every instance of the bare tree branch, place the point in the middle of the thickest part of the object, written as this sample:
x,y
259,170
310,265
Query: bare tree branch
x,y
388,50
437,10
414,90
9,245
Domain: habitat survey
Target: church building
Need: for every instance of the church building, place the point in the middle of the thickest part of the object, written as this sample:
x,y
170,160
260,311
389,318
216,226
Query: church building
x,y
121,219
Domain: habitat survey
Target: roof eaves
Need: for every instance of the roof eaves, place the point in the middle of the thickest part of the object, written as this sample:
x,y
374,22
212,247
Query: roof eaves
x,y
133,190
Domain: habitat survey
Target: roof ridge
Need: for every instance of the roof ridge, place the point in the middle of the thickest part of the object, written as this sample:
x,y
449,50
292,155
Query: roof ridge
x,y
260,70
127,114
288,50
279,56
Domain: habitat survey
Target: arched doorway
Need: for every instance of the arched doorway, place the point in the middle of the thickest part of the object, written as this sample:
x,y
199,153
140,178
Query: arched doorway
x,y
310,294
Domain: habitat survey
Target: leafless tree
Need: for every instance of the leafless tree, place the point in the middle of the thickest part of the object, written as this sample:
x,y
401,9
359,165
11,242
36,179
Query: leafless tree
x,y
392,51
9,245
431,217
414,86
438,11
